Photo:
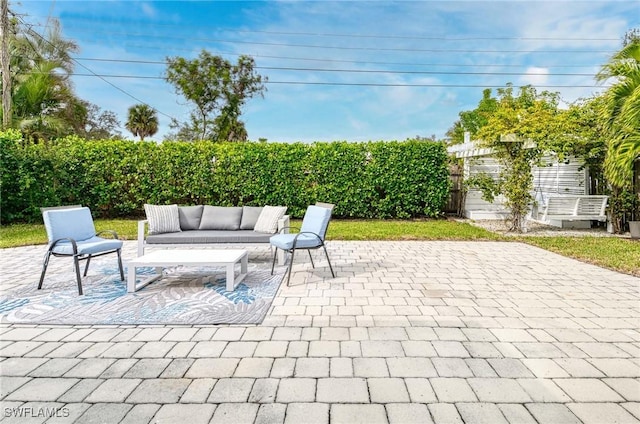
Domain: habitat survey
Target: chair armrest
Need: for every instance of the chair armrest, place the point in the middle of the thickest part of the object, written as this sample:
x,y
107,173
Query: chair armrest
x,y
141,233
112,232
283,225
285,230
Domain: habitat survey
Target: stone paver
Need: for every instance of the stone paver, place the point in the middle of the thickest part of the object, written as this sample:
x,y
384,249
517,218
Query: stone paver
x,y
408,332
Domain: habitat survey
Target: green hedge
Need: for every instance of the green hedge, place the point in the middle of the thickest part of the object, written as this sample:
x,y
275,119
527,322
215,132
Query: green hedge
x,y
115,178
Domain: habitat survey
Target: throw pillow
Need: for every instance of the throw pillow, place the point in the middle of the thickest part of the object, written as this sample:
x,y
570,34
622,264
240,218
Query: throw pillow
x,y
221,218
162,218
250,215
190,217
268,220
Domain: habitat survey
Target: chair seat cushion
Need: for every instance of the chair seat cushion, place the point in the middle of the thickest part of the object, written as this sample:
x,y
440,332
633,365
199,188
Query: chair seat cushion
x,y
88,247
304,241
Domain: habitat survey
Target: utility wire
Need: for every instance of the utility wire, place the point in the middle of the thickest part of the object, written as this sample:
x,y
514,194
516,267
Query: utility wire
x,y
344,35
91,73
373,84
452,65
350,48
364,71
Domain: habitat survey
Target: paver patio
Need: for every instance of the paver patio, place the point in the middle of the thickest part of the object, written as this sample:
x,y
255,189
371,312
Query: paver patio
x,y
409,332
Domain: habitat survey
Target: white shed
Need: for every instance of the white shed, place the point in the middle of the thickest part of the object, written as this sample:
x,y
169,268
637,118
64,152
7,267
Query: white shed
x,y
553,178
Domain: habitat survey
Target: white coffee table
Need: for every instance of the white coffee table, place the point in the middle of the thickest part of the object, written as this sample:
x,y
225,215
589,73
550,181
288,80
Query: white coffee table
x,y
188,257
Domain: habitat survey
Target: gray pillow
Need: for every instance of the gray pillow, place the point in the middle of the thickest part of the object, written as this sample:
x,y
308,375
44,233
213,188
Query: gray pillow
x,y
250,216
220,218
190,217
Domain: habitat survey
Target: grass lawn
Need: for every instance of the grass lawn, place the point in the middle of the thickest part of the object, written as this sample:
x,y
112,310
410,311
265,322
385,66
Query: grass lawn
x,y
610,252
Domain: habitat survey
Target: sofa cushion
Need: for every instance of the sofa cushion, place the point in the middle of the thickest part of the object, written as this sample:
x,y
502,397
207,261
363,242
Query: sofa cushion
x,y
268,219
162,218
220,218
209,236
250,216
190,217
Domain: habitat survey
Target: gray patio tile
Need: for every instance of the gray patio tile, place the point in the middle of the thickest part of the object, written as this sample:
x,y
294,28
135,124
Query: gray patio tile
x,y
104,413
296,390
176,413
42,389
628,388
408,413
10,384
552,413
20,367
198,391
312,367
516,413
411,367
387,390
543,390
587,390
269,413
309,413
510,368
235,413
207,349
481,413
229,390
344,390
212,367
163,390
445,413
239,349
80,391
122,350
180,350
596,413
254,367
264,390
358,414
451,367
177,368
147,368
140,414
113,390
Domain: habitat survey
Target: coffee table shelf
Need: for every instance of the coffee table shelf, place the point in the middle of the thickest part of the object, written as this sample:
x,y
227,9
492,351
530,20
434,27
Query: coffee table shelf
x,y
188,257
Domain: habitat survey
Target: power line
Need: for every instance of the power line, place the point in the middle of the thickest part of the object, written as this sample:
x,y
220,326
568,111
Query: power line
x,y
350,48
344,35
370,62
97,75
356,83
364,71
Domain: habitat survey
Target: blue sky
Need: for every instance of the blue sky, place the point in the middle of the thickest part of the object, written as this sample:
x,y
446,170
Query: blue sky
x,y
362,70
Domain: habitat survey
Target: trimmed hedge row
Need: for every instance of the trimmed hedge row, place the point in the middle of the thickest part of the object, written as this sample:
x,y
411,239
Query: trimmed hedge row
x,y
115,178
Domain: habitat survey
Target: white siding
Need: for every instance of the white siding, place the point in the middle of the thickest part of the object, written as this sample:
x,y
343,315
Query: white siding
x,y
552,178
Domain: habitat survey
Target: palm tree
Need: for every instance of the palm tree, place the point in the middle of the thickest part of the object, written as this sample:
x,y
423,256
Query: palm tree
x,y
622,112
142,121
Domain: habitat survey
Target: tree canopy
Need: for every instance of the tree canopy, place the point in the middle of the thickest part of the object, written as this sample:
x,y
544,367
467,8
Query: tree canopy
x,y
218,90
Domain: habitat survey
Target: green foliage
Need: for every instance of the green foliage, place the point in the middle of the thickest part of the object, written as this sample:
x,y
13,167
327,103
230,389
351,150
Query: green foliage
x,y
218,89
115,178
621,113
142,121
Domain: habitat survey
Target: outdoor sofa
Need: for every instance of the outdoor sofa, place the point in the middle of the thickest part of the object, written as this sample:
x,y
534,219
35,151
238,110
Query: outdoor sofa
x,y
205,225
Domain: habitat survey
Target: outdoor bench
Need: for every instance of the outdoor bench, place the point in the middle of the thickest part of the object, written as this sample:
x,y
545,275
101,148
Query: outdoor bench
x,y
575,208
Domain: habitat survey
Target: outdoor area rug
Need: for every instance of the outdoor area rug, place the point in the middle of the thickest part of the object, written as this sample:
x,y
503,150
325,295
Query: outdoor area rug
x,y
183,296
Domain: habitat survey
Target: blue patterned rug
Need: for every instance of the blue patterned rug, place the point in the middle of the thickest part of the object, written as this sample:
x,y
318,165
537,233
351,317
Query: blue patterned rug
x,y
182,296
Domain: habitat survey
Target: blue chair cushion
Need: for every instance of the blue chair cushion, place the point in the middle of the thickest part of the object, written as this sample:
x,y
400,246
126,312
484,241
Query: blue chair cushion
x,y
316,220
88,247
69,223
285,241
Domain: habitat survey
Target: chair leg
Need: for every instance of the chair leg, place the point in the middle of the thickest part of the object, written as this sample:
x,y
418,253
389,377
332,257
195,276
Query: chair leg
x,y
327,254
311,258
77,266
273,263
293,251
45,263
120,265
86,267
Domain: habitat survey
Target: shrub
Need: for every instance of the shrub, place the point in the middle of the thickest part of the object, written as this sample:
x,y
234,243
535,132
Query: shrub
x,y
115,178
